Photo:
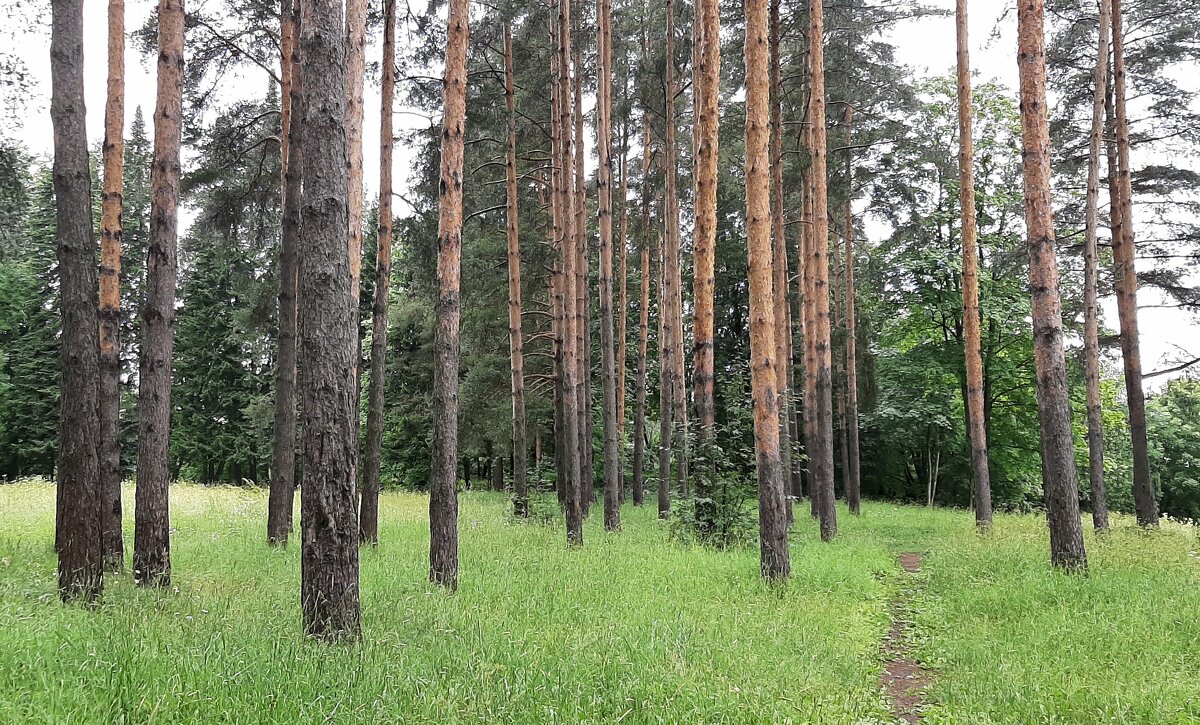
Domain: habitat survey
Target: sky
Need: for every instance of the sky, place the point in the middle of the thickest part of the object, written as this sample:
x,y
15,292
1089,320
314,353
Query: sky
x,y
926,44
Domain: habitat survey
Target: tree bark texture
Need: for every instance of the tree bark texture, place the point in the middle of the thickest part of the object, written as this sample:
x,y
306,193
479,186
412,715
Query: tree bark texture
x,y
77,512
329,595
1053,394
152,523
515,335
110,294
368,517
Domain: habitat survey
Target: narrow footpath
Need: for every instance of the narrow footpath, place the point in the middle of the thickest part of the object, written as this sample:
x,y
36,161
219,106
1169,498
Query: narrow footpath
x,y
903,679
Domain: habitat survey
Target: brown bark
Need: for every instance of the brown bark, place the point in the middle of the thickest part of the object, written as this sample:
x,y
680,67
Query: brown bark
x,y
850,414
706,71
573,452
283,456
1091,273
783,321
981,494
110,294
356,69
1054,407
820,448
515,342
151,532
608,363
443,493
665,387
775,562
673,362
77,512
497,474
557,298
1126,284
623,309
639,386
583,310
329,593
368,517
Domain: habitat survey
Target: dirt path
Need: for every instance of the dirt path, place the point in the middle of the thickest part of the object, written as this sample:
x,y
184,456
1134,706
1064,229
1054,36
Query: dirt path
x,y
903,679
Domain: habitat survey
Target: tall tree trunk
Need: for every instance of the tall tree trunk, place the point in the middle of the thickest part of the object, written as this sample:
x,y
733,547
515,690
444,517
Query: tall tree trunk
x,y
783,321
329,528
77,537
1091,273
1126,284
623,308
283,456
672,272
151,533
706,71
639,386
1054,404
368,517
583,309
608,362
110,294
557,276
820,449
981,493
356,69
665,388
853,476
775,563
443,484
515,342
804,283
575,458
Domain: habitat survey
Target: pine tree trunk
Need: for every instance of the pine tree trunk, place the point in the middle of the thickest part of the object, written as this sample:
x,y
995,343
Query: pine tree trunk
x,y
515,342
820,449
672,273
706,72
110,294
443,485
665,388
329,594
283,457
850,420
623,310
1126,284
1054,405
151,533
356,65
775,563
574,455
807,324
981,493
583,309
557,276
608,372
368,517
77,532
783,321
639,387
1091,273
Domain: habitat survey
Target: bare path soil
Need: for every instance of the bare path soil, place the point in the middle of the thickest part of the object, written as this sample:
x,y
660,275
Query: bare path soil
x,y
903,679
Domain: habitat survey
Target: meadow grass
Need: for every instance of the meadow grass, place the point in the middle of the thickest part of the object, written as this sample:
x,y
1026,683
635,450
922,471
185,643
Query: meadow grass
x,y
634,627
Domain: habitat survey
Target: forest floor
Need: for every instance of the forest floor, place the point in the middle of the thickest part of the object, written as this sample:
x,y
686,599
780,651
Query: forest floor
x,y
632,628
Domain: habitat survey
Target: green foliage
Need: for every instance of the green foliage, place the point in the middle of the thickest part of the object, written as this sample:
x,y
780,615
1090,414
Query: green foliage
x,y
1173,426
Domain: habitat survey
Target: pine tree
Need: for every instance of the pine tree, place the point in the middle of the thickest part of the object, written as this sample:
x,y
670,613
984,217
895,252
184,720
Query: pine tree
x,y
608,372
77,521
515,332
151,536
1054,411
368,520
110,294
329,595
443,494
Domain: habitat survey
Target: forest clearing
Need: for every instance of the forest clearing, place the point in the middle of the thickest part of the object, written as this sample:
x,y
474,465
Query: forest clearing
x,y
635,627
600,361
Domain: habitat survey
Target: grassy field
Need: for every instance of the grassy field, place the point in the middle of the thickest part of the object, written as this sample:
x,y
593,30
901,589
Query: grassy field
x,y
633,628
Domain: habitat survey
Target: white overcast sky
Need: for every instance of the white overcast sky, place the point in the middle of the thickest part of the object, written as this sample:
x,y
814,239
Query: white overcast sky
x,y
926,44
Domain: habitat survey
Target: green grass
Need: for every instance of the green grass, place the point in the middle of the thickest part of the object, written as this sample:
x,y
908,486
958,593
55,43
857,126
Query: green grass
x,y
632,628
